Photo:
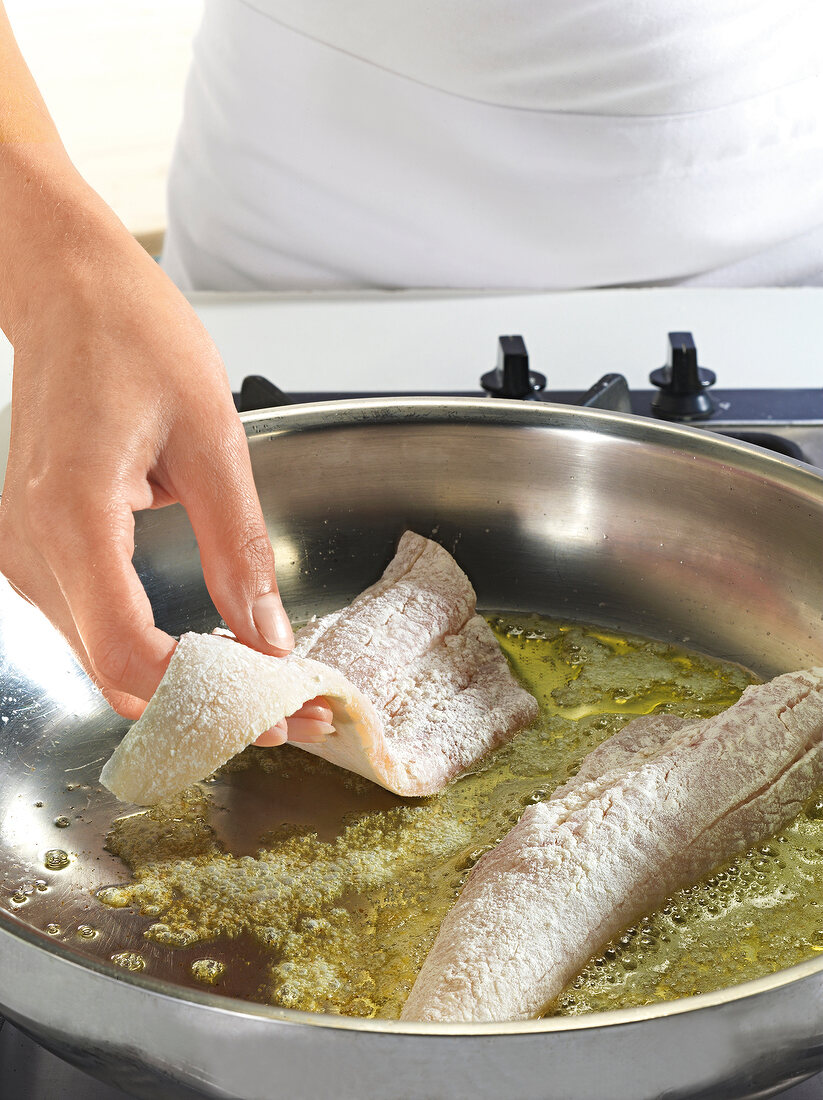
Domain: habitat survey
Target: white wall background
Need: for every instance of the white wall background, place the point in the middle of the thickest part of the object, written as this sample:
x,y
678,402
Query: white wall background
x,y
112,73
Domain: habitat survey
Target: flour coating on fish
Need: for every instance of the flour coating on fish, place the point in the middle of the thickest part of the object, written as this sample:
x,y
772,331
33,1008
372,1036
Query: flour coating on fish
x,y
418,686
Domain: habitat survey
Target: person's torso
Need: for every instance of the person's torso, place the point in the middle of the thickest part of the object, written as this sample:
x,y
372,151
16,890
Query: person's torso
x,y
499,143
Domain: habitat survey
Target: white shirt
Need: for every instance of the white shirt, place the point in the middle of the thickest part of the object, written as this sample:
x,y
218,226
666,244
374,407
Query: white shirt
x,y
616,57
500,143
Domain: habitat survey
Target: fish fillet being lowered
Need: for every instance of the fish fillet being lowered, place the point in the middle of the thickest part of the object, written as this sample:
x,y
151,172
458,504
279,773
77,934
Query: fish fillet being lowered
x,y
653,809
418,686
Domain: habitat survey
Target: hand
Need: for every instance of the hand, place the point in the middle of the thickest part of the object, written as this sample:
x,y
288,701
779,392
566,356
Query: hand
x,y
120,402
310,725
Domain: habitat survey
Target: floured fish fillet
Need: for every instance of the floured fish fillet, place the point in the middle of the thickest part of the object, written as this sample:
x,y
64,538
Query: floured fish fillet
x,y
653,809
418,686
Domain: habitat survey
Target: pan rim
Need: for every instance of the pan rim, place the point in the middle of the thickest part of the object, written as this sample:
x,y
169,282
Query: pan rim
x,y
795,476
499,412
12,927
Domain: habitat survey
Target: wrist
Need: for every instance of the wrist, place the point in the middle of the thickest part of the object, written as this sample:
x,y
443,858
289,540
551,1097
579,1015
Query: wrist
x,y
53,228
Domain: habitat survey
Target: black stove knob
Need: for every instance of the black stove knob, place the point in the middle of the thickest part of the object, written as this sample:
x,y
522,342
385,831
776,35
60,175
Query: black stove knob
x,y
257,392
683,384
512,377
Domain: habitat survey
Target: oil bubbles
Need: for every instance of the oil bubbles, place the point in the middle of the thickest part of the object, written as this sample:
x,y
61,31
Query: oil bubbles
x,y
56,859
129,960
208,971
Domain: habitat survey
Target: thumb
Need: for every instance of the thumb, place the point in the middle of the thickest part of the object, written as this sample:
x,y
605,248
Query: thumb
x,y
217,490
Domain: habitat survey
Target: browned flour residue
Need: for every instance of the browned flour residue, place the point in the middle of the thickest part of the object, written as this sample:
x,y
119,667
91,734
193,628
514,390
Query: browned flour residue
x,y
343,913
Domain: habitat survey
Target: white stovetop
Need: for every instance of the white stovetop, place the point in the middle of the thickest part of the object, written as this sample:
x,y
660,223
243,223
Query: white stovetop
x,y
444,341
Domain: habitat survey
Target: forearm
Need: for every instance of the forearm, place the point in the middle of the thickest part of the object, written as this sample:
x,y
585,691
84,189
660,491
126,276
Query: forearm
x,y
49,217
23,114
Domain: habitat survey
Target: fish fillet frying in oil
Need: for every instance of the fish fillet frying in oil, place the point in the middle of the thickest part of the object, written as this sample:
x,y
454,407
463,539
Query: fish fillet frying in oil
x,y
653,809
418,686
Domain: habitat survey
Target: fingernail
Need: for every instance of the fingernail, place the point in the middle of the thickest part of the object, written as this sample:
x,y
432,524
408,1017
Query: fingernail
x,y
276,735
271,620
309,730
319,714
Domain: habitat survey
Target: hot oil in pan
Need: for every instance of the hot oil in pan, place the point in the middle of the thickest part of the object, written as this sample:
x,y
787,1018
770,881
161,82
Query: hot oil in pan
x,y
289,881
755,914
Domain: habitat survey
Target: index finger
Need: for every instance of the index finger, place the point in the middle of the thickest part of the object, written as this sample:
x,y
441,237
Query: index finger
x,y
111,611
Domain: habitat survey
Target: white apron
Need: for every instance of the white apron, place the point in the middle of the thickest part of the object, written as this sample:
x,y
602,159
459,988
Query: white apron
x,y
500,144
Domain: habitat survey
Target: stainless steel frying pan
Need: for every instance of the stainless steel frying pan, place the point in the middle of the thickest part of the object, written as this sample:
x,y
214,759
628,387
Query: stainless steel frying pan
x,y
662,530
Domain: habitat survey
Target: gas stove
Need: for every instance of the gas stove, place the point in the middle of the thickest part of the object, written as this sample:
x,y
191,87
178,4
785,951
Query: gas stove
x,y
762,344
786,421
